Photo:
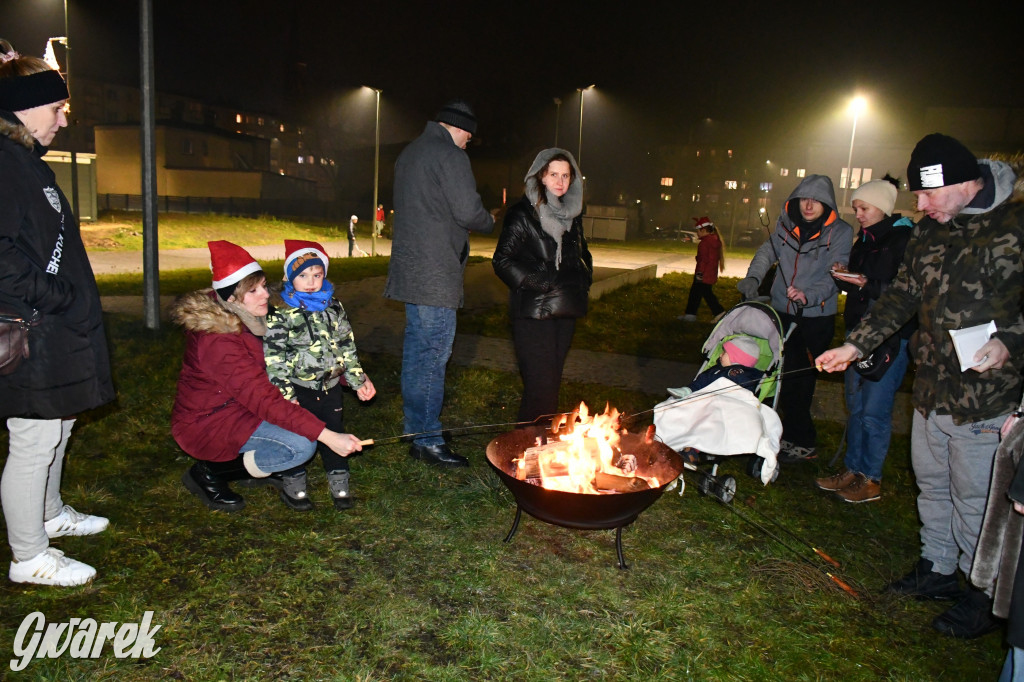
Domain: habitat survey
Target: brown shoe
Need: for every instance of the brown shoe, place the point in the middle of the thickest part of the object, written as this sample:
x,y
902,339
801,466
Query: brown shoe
x,y
836,481
861,490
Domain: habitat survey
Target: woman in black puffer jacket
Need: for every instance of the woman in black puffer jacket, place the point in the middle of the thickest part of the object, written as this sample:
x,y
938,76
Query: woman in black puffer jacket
x,y
543,258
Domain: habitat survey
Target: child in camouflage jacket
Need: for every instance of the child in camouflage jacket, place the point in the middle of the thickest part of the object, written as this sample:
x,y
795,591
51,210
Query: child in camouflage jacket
x,y
310,353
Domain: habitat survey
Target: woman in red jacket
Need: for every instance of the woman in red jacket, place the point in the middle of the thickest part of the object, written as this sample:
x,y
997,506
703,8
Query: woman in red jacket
x,y
710,260
227,415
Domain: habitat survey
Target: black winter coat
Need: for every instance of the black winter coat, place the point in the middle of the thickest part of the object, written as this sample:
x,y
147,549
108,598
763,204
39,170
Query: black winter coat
x,y
877,253
525,261
43,264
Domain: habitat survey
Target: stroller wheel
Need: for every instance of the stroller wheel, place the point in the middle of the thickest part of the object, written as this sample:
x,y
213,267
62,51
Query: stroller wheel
x,y
754,467
705,484
726,489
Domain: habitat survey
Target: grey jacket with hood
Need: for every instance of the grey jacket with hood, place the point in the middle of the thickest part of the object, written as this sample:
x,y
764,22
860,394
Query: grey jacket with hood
x,y
806,266
436,207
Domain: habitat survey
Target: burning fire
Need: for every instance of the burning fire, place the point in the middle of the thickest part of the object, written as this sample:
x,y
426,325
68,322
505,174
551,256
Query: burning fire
x,y
585,457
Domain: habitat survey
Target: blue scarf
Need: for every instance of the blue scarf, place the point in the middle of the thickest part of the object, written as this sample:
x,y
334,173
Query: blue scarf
x,y
314,301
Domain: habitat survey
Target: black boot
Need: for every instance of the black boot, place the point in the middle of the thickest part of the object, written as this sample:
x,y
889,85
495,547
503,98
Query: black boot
x,y
210,488
969,618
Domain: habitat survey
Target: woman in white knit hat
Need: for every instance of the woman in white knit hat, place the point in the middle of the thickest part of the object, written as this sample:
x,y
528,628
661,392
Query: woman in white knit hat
x,y
871,384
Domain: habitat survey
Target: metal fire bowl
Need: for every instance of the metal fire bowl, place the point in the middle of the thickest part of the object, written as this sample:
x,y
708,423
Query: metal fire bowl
x,y
579,510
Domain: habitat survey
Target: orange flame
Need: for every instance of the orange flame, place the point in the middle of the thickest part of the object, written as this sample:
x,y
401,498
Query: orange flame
x,y
586,446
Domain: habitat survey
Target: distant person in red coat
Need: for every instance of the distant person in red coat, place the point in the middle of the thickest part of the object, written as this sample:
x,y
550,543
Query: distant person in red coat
x,y
710,260
378,221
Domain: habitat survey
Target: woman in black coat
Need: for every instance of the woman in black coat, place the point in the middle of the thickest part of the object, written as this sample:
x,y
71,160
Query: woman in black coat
x,y
44,267
543,258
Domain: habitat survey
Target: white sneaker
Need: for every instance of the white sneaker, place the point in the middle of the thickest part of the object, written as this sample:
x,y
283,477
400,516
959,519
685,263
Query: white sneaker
x,y
687,318
71,522
51,567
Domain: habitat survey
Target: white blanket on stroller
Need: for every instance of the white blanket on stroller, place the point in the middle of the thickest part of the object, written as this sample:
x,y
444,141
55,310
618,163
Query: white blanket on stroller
x,y
721,419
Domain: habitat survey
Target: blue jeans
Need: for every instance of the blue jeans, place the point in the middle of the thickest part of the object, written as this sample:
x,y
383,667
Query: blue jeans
x,y
870,422
429,335
1013,668
278,449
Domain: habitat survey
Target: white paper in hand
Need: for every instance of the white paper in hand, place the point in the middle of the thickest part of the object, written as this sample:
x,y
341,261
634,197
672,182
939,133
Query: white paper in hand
x,y
968,341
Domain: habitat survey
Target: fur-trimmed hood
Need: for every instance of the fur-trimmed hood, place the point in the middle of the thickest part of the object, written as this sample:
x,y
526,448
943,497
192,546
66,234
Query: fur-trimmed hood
x,y
16,131
203,311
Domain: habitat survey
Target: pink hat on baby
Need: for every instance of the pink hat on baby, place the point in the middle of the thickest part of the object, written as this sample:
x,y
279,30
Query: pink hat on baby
x,y
742,350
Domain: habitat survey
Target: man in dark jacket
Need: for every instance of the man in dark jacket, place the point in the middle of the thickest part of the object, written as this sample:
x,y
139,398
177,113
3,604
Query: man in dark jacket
x,y
961,269
436,207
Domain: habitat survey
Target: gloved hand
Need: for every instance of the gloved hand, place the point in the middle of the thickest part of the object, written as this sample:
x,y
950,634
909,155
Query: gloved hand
x,y
537,281
748,287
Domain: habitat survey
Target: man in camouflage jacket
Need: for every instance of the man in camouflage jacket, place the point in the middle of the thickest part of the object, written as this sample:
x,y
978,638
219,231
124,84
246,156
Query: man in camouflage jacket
x,y
962,268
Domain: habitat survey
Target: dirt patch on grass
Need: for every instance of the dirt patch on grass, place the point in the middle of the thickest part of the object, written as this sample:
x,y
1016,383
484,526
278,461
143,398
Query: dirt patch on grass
x,y
107,235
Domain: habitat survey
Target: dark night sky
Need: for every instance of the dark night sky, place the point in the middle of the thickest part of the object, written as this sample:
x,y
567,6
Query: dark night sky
x,y
659,67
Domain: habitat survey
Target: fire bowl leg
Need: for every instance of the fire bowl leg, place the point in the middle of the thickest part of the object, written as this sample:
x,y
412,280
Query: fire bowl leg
x,y
618,548
515,524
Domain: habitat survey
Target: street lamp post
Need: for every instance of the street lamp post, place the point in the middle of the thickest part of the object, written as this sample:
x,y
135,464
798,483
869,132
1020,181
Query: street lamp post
x,y
558,112
579,148
376,173
856,106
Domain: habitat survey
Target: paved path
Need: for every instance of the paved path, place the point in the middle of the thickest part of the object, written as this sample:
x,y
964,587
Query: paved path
x,y
379,323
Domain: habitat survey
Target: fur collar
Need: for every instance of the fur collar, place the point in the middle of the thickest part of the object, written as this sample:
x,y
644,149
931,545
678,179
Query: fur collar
x,y
17,132
203,311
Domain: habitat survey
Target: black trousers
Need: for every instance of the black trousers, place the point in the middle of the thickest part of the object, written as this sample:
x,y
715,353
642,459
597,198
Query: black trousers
x,y
699,291
541,347
328,407
811,338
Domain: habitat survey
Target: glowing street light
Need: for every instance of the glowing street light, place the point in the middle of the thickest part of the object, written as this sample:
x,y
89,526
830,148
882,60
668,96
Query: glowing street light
x,y
579,148
376,172
857,105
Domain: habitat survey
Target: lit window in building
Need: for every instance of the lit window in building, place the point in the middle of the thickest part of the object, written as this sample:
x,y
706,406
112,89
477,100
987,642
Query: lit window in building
x,y
801,172
695,198
730,153
300,144
766,187
853,180
746,200
865,175
281,127
730,184
743,184
784,172
666,197
259,121
238,118
666,182
312,159
300,159
698,153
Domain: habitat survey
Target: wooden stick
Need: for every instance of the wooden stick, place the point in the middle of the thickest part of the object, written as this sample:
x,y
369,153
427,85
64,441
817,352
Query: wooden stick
x,y
367,441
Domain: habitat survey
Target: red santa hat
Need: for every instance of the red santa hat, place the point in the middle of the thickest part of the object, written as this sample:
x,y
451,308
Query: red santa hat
x,y
299,255
703,222
230,264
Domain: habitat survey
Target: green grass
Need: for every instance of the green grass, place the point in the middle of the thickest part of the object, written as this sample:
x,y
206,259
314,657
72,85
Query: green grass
x,y
183,231
176,282
415,582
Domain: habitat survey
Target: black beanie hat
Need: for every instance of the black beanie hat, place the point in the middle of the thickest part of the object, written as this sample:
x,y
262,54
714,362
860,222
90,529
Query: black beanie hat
x,y
939,160
459,114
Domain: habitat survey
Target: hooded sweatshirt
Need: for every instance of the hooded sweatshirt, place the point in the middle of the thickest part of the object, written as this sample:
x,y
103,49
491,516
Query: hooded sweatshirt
x,y
805,254
964,273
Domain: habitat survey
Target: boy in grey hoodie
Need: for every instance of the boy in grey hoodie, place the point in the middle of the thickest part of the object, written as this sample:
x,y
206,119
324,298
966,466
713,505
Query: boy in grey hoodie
x,y
808,241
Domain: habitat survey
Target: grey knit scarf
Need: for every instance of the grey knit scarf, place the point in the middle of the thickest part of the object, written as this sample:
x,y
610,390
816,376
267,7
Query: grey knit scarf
x,y
556,213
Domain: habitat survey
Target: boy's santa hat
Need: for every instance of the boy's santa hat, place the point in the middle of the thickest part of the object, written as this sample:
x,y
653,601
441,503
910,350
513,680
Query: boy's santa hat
x,y
300,255
230,264
703,222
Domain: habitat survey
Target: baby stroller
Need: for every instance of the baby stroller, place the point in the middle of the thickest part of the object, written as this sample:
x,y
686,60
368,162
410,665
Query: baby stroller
x,y
725,418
